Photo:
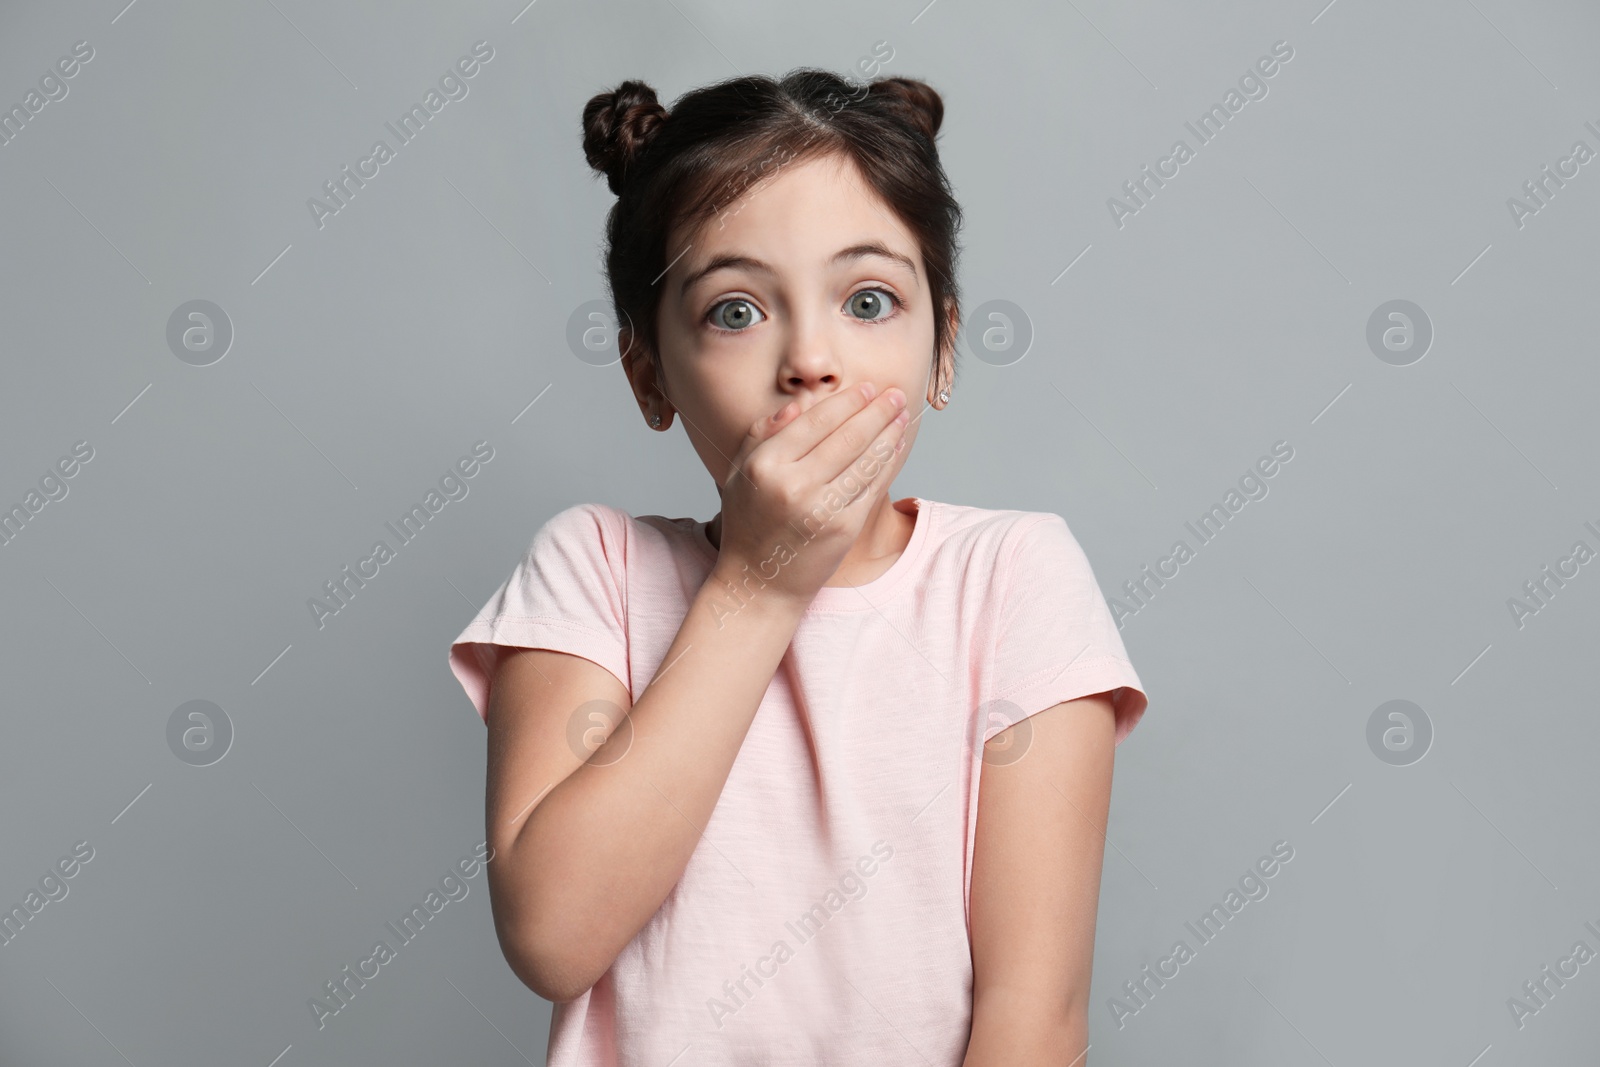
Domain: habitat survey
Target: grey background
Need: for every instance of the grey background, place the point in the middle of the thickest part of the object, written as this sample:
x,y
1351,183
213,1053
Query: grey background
x,y
369,355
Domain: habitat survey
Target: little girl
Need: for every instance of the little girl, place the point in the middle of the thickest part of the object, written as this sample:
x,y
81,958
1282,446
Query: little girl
x,y
735,766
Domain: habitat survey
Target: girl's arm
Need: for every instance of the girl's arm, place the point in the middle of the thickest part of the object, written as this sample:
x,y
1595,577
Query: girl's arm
x,y
586,850
1036,885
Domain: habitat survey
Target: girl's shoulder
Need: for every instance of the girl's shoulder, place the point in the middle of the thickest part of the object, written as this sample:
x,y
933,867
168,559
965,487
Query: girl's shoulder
x,y
998,533
603,530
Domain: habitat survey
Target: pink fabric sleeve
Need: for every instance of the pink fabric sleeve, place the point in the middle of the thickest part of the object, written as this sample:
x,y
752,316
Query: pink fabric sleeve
x,y
1057,640
566,595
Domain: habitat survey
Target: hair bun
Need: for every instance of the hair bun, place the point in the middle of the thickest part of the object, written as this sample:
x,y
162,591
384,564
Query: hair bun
x,y
916,102
617,127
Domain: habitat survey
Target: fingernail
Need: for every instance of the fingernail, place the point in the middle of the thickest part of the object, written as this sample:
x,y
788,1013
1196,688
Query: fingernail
x,y
897,398
868,391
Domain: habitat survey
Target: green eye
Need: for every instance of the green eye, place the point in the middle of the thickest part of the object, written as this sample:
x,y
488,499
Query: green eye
x,y
737,316
869,305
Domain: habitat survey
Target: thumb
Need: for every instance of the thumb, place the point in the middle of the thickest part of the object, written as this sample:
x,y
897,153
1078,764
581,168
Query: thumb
x,y
768,425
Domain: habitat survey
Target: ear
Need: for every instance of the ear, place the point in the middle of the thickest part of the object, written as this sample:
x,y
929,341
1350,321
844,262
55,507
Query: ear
x,y
639,364
944,375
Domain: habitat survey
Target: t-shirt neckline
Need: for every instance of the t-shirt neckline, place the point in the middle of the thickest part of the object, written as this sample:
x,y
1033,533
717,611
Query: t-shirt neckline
x,y
854,597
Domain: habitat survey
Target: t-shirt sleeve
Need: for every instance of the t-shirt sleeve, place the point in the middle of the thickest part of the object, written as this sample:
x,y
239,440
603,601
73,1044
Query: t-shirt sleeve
x,y
567,594
1056,639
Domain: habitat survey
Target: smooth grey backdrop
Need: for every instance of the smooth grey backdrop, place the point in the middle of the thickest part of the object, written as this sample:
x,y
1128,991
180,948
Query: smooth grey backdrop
x,y
1171,349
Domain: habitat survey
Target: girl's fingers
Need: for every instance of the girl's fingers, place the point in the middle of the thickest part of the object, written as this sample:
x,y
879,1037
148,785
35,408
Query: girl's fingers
x,y
796,437
871,470
768,425
836,453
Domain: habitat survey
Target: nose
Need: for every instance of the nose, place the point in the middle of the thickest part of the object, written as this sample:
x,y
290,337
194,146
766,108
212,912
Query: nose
x,y
810,369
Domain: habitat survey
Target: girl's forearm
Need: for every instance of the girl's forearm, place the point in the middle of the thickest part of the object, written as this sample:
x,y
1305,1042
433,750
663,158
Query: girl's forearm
x,y
598,855
1009,1032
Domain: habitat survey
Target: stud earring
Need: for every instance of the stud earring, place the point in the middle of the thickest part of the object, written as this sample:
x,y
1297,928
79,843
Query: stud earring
x,y
944,396
655,421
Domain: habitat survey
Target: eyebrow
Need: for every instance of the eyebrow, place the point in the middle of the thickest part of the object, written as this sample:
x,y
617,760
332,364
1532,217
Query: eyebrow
x,y
854,252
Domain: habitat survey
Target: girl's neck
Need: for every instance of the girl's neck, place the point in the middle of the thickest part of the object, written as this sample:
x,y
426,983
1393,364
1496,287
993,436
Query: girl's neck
x,y
884,536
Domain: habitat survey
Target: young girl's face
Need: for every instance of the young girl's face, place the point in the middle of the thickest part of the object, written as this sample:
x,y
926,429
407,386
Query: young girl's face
x,y
805,286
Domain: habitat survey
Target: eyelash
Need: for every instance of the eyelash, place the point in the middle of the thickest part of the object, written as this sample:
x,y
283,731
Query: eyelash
x,y
899,304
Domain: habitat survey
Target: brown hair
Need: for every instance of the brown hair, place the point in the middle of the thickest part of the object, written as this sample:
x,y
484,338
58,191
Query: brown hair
x,y
718,141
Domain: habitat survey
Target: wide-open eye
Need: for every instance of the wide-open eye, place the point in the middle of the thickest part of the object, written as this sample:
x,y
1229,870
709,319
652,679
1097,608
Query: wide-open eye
x,y
739,314
869,305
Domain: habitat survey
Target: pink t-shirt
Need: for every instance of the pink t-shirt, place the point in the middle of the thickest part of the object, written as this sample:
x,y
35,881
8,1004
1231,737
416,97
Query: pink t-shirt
x,y
823,916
